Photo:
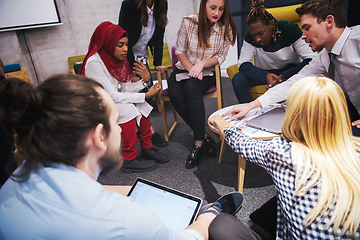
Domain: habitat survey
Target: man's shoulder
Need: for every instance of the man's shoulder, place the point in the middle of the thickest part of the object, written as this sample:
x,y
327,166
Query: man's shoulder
x,y
355,33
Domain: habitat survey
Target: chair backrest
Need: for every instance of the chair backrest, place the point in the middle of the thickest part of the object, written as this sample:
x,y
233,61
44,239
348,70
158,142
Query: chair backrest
x,y
75,59
286,13
21,74
166,60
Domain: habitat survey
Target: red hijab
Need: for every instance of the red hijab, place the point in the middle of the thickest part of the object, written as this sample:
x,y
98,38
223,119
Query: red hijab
x,y
104,41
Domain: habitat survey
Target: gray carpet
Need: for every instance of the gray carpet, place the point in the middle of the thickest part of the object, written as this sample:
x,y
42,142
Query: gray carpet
x,y
209,179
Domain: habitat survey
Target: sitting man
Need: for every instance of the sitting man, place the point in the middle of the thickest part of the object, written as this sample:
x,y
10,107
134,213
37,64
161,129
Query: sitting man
x,y
68,133
277,49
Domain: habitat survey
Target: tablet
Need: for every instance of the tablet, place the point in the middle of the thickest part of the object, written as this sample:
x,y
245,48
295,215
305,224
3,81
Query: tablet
x,y
270,121
175,209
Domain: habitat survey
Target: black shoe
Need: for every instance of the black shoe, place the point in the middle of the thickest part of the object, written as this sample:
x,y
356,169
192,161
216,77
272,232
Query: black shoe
x,y
154,154
209,146
194,157
229,203
157,140
138,165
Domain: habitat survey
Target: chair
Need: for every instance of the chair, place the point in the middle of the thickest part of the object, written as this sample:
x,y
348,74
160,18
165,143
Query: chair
x,y
14,70
280,13
213,92
164,95
75,60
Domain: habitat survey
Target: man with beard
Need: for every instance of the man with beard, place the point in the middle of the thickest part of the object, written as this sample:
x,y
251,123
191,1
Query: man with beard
x,y
67,133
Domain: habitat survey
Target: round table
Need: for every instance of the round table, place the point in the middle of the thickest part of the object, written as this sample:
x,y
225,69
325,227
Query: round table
x,y
254,133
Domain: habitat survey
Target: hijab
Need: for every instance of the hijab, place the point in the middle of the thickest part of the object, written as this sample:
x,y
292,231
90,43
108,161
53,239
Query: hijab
x,y
104,41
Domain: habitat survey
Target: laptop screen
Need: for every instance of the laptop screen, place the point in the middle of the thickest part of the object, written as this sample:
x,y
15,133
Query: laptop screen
x,y
175,209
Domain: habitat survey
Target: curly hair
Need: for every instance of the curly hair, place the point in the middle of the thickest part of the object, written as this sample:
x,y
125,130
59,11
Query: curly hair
x,y
258,13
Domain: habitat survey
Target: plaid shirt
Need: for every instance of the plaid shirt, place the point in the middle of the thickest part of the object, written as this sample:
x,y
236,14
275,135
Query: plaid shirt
x,y
187,42
275,157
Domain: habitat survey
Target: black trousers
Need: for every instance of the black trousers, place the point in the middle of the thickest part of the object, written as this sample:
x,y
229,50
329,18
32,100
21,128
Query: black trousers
x,y
227,227
354,115
186,97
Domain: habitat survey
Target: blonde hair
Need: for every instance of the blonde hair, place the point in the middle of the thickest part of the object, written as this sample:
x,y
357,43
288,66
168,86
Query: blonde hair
x,y
323,150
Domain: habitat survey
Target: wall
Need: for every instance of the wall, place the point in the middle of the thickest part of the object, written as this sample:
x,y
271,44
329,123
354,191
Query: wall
x,y
49,47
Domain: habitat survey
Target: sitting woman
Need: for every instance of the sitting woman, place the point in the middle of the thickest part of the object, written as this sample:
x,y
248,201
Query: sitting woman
x,y
106,63
203,41
315,166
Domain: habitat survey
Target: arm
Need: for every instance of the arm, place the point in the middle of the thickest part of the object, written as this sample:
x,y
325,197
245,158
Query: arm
x,y
241,110
96,71
280,91
123,190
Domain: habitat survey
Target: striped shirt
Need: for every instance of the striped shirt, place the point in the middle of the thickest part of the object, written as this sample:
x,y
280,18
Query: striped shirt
x,y
187,42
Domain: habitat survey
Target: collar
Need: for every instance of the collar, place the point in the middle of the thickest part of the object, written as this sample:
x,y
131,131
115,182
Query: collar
x,y
150,10
341,41
216,27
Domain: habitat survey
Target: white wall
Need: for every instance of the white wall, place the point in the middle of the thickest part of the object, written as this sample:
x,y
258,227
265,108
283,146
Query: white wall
x,y
49,47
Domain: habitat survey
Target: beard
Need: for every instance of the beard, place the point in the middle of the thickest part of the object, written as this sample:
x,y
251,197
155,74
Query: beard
x,y
112,160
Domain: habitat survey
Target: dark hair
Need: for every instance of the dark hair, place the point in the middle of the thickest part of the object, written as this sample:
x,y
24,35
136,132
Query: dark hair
x,y
205,26
52,120
258,13
323,8
160,12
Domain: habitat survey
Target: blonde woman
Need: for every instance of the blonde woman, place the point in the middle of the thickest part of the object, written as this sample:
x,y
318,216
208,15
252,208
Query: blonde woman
x,y
203,41
315,165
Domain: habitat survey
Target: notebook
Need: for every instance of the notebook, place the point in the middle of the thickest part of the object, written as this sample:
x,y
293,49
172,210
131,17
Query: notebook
x,y
270,121
175,209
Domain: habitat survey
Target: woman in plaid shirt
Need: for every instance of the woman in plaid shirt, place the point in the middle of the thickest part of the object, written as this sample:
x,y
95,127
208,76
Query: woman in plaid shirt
x,y
315,165
203,41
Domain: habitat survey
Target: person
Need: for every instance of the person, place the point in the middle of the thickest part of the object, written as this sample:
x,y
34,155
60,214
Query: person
x,y
315,164
203,41
324,27
106,62
67,133
276,47
7,147
145,22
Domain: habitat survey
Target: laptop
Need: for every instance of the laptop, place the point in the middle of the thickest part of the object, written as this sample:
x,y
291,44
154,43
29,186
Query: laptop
x,y
175,209
270,121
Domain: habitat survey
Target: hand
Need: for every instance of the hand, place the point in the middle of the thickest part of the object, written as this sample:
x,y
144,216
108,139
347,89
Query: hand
x,y
140,69
272,80
212,120
154,89
238,111
160,68
356,123
196,70
135,79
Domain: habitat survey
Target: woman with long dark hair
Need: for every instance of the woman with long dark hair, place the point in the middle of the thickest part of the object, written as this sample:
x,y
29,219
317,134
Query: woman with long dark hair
x,y
145,21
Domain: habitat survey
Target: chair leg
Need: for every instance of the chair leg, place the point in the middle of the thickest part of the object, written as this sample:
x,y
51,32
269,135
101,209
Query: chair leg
x,y
241,173
171,131
163,116
222,150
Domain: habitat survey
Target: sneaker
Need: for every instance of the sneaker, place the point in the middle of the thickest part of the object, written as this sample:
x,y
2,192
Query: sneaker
x,y
229,203
157,140
154,154
138,165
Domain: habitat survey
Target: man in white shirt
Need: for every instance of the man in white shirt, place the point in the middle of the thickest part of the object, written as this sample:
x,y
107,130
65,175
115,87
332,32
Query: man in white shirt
x,y
68,133
324,27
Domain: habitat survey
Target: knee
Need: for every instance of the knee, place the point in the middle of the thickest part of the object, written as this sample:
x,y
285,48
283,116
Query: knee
x,y
239,80
193,89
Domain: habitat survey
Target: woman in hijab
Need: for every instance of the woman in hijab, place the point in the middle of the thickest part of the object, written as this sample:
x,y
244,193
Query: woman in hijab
x,y
106,63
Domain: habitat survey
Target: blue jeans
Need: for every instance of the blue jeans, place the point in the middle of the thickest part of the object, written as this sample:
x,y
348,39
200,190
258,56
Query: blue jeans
x,y
241,85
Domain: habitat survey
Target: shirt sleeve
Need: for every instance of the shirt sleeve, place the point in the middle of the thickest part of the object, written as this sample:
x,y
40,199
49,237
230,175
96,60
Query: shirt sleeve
x,y
95,70
267,154
181,41
223,49
247,53
280,91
